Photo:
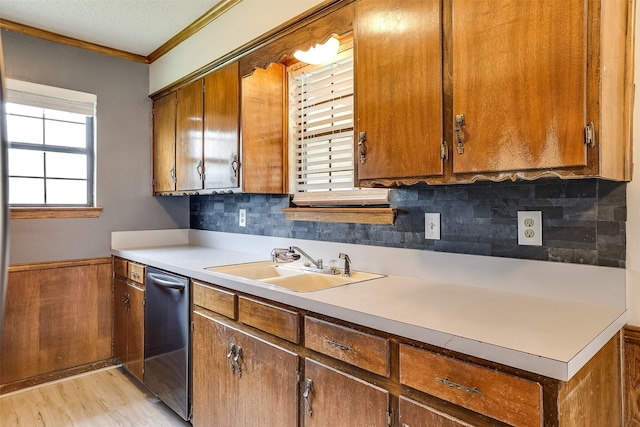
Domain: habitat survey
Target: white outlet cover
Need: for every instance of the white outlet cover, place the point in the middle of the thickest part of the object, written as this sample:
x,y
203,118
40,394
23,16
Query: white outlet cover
x,y
530,228
432,226
242,217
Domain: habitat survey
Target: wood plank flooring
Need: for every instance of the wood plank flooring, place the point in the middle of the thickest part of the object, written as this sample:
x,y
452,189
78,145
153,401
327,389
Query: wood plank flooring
x,y
102,398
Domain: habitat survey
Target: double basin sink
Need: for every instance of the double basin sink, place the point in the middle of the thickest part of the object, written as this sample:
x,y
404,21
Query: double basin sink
x,y
292,277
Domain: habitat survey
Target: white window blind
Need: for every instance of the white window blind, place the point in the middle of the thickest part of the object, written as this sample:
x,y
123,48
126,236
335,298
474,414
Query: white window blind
x,y
49,97
321,103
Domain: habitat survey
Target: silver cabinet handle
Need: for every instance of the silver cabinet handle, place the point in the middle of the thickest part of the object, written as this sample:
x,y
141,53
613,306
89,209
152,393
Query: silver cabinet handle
x,y
458,131
199,169
338,345
457,386
236,361
235,165
232,350
308,388
362,147
172,172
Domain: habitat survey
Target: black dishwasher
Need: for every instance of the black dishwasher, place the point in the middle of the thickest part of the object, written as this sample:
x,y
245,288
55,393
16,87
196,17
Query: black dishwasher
x,y
167,339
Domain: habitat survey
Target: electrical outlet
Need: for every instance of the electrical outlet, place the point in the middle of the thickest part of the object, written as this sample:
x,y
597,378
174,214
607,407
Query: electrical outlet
x,y
432,226
530,228
242,217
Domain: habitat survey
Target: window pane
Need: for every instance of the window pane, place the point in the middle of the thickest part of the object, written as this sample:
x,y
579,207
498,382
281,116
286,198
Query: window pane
x,y
62,165
26,191
63,192
66,134
65,116
24,129
26,162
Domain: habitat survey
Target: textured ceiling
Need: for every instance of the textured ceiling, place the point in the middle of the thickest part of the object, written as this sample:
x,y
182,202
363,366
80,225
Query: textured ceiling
x,y
135,26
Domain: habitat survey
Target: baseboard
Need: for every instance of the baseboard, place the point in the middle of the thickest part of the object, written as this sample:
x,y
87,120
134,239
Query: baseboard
x,y
54,376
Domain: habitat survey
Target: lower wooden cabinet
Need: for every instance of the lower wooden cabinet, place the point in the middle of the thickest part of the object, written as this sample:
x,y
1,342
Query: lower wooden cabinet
x,y
241,380
334,398
247,372
128,326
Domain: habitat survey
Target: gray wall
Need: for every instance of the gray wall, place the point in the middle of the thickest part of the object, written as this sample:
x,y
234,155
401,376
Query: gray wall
x,y
123,151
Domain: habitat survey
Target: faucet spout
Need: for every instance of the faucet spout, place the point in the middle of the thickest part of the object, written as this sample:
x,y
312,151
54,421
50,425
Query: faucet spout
x,y
347,264
317,263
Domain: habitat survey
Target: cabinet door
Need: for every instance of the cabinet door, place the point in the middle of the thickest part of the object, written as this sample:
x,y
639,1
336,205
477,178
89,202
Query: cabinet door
x,y
263,143
414,414
164,143
189,167
338,399
215,399
399,88
519,79
135,331
222,128
258,388
120,320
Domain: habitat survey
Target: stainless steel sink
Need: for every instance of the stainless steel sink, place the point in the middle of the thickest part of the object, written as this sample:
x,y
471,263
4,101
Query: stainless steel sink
x,y
292,277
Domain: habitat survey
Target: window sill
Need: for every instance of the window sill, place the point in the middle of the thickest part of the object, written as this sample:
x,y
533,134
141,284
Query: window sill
x,y
39,213
346,215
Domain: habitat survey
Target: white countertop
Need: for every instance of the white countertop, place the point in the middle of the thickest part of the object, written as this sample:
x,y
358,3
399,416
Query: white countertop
x,y
526,327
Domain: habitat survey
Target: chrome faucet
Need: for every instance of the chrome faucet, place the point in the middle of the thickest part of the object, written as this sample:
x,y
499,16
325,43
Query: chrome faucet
x,y
317,263
283,255
347,264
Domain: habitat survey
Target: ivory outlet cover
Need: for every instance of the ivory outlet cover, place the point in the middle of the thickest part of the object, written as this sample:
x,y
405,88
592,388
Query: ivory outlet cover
x,y
432,226
530,228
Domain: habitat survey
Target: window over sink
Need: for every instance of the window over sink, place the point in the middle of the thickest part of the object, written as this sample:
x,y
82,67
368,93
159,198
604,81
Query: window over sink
x,y
321,135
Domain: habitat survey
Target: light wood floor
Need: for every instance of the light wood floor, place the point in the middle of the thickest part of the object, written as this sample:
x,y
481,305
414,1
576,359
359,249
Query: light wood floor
x,y
102,398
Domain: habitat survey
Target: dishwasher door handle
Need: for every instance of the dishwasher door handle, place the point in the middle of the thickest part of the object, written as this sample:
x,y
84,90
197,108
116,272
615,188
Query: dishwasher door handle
x,y
166,283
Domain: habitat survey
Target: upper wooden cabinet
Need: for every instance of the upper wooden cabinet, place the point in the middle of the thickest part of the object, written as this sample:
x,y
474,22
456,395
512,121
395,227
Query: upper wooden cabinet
x,y
189,128
196,135
446,91
164,144
263,119
177,140
529,89
528,78
221,128
519,80
398,57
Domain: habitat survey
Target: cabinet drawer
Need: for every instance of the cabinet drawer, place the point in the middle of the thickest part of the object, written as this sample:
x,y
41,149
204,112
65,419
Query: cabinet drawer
x,y
415,414
120,267
214,299
136,272
274,320
513,400
357,348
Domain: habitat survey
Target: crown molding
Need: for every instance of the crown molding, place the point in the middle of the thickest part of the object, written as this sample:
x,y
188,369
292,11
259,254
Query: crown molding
x,y
70,41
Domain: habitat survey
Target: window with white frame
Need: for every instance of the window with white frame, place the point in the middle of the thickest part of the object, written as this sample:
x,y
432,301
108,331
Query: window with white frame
x,y
321,135
51,146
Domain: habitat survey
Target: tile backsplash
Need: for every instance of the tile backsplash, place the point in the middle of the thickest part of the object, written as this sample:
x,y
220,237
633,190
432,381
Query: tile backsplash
x,y
583,220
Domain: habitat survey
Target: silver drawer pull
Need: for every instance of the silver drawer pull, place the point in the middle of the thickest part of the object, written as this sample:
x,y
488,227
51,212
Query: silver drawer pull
x,y
457,386
338,345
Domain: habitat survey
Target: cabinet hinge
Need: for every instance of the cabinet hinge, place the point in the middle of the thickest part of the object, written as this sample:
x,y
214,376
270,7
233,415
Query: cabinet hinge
x,y
389,418
192,326
589,135
444,151
144,301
